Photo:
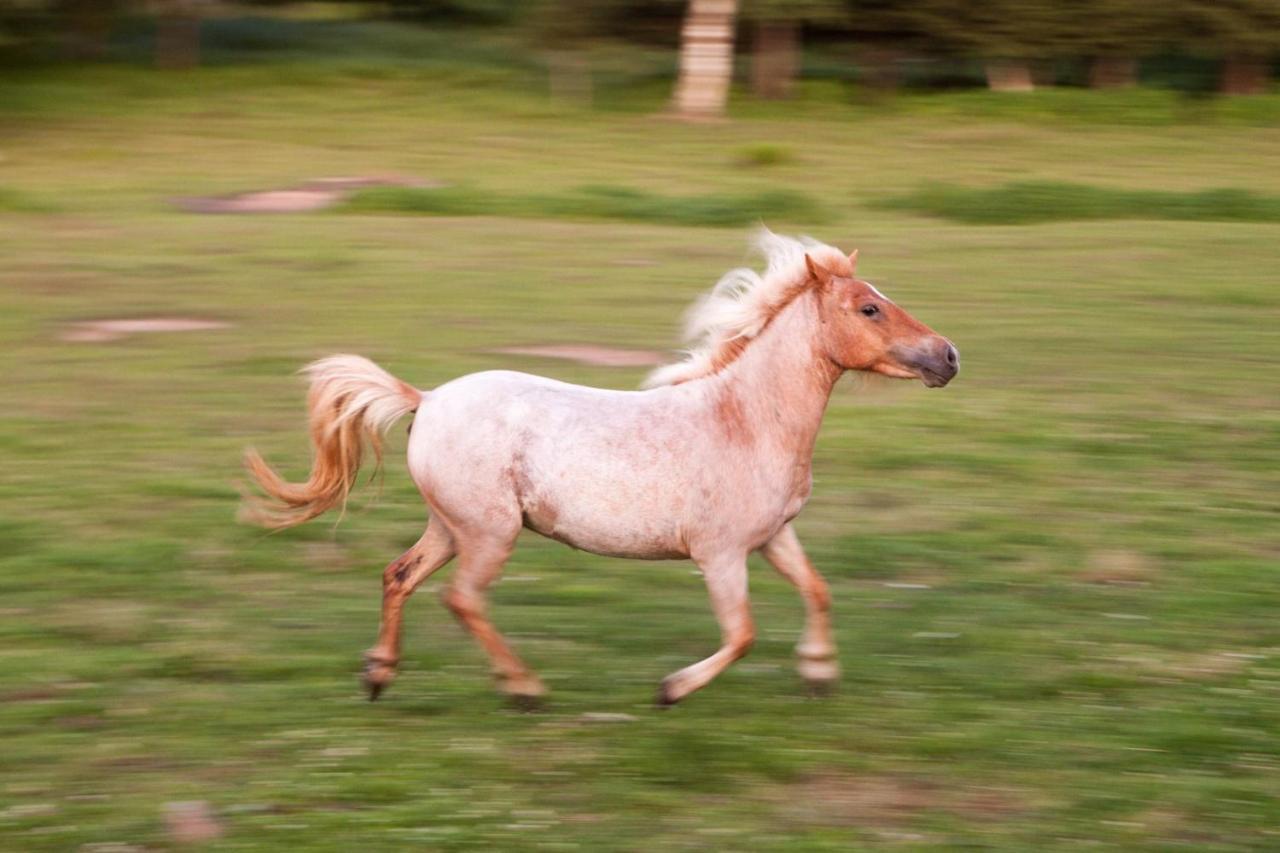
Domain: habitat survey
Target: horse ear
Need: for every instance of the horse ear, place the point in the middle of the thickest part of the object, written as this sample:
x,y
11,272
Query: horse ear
x,y
853,261
820,274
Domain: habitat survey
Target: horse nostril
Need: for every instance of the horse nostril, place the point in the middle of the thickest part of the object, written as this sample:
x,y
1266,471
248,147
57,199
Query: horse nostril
x,y
952,356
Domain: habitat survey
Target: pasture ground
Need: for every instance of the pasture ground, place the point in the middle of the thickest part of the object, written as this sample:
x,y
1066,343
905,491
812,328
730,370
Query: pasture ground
x,y
1056,580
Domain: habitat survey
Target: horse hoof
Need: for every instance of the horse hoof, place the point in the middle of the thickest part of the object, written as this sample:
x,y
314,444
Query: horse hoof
x,y
525,703
664,699
374,685
820,672
821,688
376,676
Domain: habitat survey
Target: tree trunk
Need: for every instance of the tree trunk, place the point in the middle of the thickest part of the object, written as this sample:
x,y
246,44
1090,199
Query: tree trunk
x,y
775,59
1009,75
1244,75
880,69
1113,72
88,27
178,35
706,59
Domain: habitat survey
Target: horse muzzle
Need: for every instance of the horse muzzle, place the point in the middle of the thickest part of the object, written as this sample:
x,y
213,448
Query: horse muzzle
x,y
935,363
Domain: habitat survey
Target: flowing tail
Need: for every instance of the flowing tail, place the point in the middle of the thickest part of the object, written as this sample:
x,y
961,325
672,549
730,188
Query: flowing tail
x,y
352,401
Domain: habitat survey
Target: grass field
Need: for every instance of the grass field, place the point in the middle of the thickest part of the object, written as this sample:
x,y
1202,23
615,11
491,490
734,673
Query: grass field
x,y
1056,581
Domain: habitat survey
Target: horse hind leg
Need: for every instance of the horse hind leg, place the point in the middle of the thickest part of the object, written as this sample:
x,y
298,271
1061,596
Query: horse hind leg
x,y
727,584
399,580
480,561
816,651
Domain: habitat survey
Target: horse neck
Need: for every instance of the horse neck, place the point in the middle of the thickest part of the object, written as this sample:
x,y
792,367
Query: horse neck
x,y
783,380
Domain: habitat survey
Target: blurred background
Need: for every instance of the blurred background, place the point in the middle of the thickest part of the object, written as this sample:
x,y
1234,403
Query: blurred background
x,y
1055,581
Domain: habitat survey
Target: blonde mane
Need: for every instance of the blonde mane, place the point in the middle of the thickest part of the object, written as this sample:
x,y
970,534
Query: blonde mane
x,y
721,324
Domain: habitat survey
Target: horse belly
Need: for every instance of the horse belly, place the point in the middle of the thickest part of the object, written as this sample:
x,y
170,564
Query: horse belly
x,y
605,504
633,545
605,528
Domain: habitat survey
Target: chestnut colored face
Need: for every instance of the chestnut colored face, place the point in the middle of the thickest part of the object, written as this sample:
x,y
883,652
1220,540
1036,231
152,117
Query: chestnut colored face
x,y
864,330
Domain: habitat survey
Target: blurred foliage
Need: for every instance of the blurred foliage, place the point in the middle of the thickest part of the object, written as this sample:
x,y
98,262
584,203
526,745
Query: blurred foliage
x,y
1026,202
833,12
458,11
764,154
995,29
596,202
1228,26
877,33
1127,27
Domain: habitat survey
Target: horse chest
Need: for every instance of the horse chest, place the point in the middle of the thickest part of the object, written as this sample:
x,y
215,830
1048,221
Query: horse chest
x,y
801,488
772,497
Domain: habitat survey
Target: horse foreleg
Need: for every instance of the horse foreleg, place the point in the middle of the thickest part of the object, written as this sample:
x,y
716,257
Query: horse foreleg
x,y
399,580
816,650
727,584
478,565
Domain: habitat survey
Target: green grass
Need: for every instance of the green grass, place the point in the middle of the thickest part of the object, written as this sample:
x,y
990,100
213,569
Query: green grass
x,y
762,154
19,202
1030,202
1055,580
593,202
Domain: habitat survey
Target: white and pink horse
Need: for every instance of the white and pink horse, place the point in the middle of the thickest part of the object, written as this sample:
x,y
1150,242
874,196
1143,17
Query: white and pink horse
x,y
711,462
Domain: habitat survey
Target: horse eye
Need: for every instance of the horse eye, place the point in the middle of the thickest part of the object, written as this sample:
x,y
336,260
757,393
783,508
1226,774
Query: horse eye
x,y
870,310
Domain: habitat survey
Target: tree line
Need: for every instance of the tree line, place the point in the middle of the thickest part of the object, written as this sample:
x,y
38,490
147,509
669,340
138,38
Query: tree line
x,y
1014,41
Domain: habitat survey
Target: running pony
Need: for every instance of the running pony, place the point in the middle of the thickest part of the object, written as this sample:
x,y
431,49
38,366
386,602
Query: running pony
x,y
710,462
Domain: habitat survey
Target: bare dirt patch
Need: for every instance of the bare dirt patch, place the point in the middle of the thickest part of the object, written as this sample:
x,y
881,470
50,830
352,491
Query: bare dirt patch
x,y
1118,567
313,195
99,331
881,801
590,354
33,694
1211,665
1166,665
869,800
